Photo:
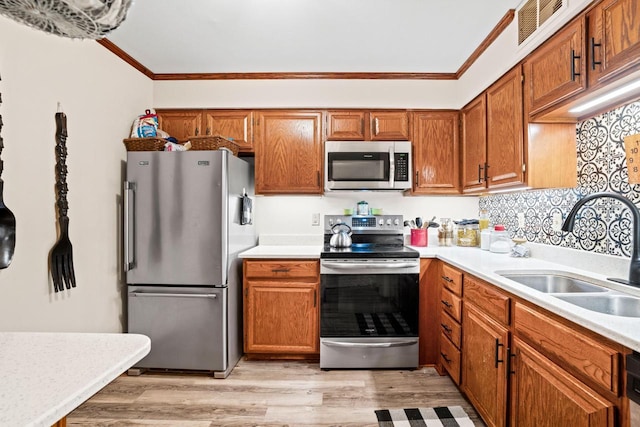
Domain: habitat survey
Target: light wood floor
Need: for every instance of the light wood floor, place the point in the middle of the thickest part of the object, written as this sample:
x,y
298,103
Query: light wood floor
x,y
266,393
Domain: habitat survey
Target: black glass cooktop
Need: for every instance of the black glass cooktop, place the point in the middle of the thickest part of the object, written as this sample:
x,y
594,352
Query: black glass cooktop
x,y
366,250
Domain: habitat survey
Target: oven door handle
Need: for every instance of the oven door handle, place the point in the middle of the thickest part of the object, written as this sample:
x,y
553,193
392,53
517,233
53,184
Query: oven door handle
x,y
354,266
369,345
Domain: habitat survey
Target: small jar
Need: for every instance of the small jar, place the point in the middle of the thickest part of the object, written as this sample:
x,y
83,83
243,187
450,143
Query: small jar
x,y
483,222
362,208
445,232
468,235
500,240
485,239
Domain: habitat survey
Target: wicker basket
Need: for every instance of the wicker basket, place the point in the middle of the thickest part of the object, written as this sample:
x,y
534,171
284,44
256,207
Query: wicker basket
x,y
213,142
144,144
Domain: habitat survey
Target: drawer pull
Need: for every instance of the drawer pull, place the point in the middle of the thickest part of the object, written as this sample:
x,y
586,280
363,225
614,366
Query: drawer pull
x,y
280,270
446,303
446,328
448,279
444,356
574,73
498,345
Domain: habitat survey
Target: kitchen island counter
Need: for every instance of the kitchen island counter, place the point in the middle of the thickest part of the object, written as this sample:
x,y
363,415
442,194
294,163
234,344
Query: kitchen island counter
x,y
46,375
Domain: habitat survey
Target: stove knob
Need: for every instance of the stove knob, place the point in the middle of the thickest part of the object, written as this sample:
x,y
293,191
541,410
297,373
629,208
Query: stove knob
x,y
330,221
381,222
338,221
389,222
396,222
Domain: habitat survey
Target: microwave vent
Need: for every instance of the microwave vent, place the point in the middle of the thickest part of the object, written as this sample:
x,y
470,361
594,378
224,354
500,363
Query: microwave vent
x,y
533,14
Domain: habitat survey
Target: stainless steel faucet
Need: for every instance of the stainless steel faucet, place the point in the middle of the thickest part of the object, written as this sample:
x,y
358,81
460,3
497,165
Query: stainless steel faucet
x,y
634,267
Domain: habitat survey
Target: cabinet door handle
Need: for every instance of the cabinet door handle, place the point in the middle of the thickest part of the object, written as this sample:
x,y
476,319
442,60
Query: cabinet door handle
x,y
208,131
446,303
486,172
447,279
280,270
417,178
574,73
593,53
197,131
444,356
315,299
510,361
480,169
498,345
447,328
318,177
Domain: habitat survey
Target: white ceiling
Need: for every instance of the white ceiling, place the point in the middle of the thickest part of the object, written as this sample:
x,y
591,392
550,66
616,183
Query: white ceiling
x,y
245,36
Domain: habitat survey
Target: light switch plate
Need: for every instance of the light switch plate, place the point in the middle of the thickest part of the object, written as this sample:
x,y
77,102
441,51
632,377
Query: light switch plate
x,y
556,221
520,219
315,219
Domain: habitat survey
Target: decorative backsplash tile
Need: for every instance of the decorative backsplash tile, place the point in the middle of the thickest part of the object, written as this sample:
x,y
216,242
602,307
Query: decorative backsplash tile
x,y
604,225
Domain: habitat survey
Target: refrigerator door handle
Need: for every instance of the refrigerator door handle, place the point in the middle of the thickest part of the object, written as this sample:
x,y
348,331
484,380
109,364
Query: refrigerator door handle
x,y
129,264
172,295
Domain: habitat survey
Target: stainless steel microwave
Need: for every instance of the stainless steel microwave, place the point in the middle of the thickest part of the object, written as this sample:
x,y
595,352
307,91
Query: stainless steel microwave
x,y
367,165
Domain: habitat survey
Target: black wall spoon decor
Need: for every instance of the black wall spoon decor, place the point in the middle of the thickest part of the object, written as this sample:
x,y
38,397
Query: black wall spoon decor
x,y
7,219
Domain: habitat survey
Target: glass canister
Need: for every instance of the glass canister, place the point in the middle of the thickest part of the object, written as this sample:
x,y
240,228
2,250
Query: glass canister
x,y
468,235
362,208
445,232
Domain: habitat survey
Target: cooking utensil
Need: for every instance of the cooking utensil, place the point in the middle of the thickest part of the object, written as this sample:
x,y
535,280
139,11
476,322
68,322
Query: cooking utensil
x,y
61,256
418,222
341,238
7,220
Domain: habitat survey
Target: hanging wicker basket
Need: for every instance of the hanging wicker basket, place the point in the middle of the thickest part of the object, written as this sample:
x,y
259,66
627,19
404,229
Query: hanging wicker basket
x,y
144,144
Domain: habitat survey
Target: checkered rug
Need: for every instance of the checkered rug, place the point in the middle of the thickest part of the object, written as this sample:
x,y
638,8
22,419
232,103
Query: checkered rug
x,y
443,416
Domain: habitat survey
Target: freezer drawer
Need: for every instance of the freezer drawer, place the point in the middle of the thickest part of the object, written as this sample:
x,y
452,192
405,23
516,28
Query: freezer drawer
x,y
187,326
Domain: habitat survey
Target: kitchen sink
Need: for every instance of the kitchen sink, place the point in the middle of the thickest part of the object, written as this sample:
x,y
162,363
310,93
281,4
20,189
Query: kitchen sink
x,y
617,305
553,283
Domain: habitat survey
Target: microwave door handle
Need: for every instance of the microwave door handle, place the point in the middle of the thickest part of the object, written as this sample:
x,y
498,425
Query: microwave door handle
x,y
392,167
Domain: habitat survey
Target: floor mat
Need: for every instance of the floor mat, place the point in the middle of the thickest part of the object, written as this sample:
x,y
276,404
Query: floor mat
x,y
442,416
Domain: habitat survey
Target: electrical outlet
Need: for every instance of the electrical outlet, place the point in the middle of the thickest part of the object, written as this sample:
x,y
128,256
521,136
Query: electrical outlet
x,y
520,219
315,219
556,221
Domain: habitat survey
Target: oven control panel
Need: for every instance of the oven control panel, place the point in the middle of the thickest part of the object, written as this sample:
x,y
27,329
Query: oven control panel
x,y
366,223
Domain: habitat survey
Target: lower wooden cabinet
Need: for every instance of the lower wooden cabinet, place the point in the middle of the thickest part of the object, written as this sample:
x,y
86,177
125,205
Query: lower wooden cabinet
x,y
281,307
545,395
484,364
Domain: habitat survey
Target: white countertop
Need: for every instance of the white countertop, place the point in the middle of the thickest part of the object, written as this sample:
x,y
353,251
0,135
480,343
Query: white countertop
x,y
484,264
45,376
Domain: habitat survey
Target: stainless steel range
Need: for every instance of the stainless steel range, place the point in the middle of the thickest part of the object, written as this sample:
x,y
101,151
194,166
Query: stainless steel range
x,y
369,296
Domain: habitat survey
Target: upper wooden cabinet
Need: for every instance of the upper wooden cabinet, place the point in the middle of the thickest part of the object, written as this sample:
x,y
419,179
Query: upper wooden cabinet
x,y
345,125
180,124
288,152
492,127
597,49
435,152
236,125
614,39
389,125
354,125
557,69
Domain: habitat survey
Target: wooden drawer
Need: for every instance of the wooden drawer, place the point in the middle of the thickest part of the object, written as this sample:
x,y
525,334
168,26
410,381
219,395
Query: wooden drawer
x,y
450,358
583,356
451,279
451,304
487,297
451,329
282,269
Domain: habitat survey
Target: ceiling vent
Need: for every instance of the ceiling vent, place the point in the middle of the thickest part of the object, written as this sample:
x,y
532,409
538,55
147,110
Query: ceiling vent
x,y
533,14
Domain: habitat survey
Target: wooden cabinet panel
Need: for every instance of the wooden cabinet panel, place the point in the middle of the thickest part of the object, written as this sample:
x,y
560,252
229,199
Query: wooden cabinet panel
x,y
451,304
232,124
505,130
488,298
288,152
429,311
435,152
345,125
450,358
614,43
389,125
474,144
282,269
451,279
180,124
281,317
451,329
484,356
557,70
583,356
544,395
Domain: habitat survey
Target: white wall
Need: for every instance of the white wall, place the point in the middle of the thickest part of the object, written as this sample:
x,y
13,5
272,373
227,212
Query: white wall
x,y
101,96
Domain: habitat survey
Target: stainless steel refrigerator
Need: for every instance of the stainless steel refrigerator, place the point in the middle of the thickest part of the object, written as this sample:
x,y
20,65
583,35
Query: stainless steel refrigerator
x,y
183,230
